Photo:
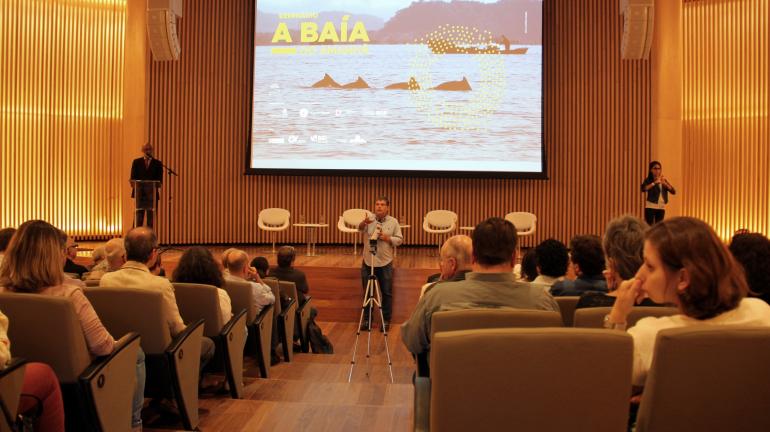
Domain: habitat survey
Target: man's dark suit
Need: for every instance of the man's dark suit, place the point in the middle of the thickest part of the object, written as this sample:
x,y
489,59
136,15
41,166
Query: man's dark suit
x,y
291,274
144,204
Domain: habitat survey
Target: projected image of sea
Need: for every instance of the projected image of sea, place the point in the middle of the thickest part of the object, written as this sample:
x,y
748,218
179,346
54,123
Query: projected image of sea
x,y
292,120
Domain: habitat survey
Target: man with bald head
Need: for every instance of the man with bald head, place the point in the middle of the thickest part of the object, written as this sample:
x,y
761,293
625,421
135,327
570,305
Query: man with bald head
x,y
146,168
454,261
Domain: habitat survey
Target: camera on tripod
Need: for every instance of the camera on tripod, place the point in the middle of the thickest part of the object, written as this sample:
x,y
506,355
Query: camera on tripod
x,y
373,243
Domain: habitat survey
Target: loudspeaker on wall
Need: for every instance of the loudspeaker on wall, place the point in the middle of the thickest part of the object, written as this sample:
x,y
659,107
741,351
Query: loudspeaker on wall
x,y
638,17
161,28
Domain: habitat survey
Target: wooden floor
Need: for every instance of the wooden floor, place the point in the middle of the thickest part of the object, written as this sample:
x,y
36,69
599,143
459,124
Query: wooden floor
x,y
312,393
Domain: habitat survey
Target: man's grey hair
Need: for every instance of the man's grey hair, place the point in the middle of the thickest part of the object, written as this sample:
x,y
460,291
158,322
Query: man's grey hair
x,y
459,247
624,243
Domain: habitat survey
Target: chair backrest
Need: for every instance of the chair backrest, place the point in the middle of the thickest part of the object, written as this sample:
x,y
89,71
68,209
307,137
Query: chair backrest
x,y
441,219
46,329
241,297
546,379
708,378
199,301
470,319
274,217
124,310
353,217
523,221
567,308
273,284
288,289
593,317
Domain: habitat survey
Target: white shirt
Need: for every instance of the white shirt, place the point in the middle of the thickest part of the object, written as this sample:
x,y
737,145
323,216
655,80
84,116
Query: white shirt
x,y
262,295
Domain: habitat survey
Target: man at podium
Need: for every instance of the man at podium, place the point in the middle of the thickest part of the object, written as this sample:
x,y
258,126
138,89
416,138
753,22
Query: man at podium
x,y
146,168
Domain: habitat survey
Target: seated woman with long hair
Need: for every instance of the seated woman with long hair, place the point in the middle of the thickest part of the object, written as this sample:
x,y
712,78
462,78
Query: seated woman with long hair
x,y
197,265
685,264
34,264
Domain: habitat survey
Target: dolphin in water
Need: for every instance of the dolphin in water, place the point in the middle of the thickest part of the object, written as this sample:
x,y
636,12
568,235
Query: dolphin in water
x,y
326,82
454,85
357,84
412,84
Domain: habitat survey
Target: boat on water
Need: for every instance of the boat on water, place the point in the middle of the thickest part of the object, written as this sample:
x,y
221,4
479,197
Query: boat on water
x,y
441,46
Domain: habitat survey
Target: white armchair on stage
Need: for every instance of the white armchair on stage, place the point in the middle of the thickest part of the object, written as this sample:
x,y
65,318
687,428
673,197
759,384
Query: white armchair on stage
x,y
348,223
274,219
440,222
524,222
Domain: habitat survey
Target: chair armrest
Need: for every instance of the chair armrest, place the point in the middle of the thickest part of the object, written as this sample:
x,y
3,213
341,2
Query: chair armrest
x,y
108,384
180,338
11,381
304,303
233,339
266,311
285,310
15,363
184,357
421,404
227,328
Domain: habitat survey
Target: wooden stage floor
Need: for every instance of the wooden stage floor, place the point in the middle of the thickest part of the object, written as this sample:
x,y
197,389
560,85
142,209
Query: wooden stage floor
x,y
334,276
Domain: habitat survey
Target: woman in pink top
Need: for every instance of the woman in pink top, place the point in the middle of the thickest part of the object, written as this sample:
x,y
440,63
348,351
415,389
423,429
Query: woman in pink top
x,y
33,264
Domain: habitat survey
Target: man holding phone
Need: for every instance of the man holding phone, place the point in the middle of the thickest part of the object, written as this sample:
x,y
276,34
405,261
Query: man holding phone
x,y
386,232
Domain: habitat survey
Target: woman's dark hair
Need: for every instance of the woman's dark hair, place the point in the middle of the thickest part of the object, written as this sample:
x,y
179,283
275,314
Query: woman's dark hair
x,y
587,253
197,265
717,283
651,177
529,265
260,263
552,258
752,251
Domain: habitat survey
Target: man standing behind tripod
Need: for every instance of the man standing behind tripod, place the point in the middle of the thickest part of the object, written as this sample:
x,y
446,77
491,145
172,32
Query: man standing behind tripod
x,y
387,233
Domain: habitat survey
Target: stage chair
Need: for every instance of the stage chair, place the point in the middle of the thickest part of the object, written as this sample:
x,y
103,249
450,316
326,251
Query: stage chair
x,y
473,319
544,379
708,378
348,223
525,224
274,220
567,308
439,222
288,318
11,381
172,363
97,393
196,302
593,317
260,324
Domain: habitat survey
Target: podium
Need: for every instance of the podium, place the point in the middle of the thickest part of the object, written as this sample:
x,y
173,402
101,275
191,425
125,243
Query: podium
x,y
145,194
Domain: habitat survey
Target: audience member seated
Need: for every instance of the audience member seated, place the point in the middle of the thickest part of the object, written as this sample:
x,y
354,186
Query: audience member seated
x,y
588,261
490,284
142,253
686,264
97,256
261,265
623,245
156,268
197,266
34,263
115,257
454,261
235,262
72,252
528,267
753,253
552,261
5,238
286,272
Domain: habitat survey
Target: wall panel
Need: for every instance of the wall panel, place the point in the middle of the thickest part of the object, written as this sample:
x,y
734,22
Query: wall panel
x,y
596,129
61,101
726,125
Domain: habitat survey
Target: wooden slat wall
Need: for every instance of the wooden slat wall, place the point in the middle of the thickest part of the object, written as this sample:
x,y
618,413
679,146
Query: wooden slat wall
x,y
726,104
61,98
597,134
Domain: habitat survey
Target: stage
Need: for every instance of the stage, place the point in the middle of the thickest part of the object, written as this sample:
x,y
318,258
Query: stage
x,y
334,275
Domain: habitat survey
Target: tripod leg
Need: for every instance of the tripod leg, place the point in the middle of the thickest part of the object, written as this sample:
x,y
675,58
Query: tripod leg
x,y
366,304
384,330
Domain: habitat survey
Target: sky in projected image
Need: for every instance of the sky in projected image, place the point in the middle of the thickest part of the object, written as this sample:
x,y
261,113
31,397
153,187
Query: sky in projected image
x,y
398,85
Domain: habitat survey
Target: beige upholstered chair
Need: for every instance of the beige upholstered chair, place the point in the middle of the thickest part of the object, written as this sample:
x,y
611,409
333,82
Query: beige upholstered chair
x,y
97,394
474,319
543,379
440,222
288,319
567,308
172,363
593,317
348,223
708,378
197,301
260,324
274,220
11,381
